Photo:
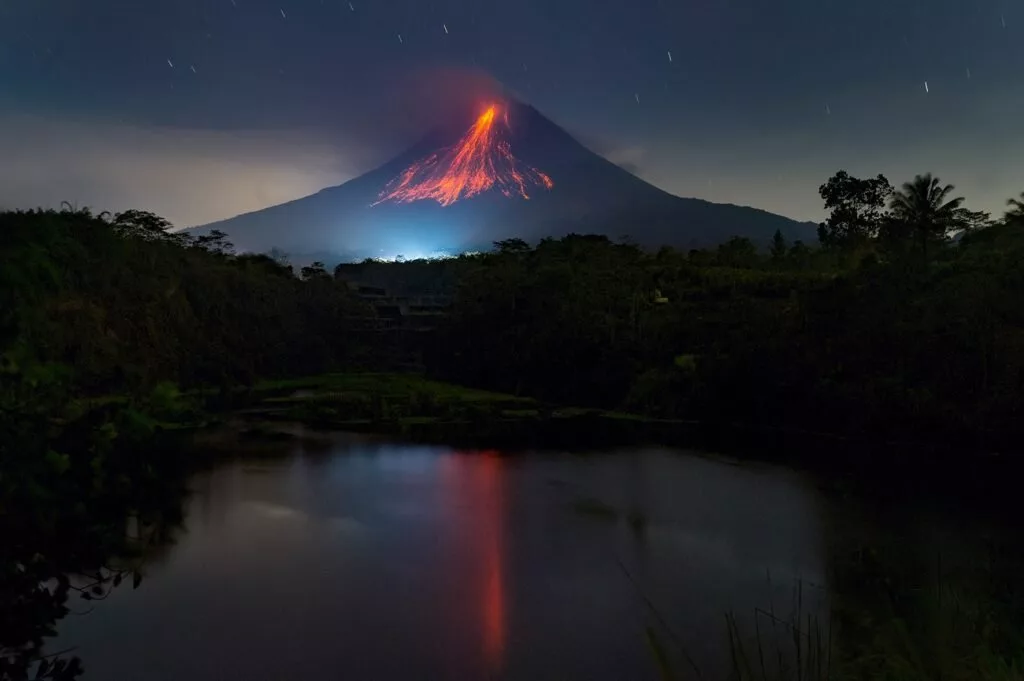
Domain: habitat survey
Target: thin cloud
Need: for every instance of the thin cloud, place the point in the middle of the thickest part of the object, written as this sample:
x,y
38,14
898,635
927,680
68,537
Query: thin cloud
x,y
188,176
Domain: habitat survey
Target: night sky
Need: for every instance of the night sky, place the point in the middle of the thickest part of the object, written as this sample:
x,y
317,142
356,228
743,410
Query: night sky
x,y
202,109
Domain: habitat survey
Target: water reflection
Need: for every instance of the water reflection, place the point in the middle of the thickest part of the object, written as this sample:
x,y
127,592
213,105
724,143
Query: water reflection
x,y
472,482
454,565
494,593
56,561
384,561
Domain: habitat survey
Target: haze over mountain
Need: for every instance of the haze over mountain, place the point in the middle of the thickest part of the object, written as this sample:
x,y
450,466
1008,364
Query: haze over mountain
x,y
501,171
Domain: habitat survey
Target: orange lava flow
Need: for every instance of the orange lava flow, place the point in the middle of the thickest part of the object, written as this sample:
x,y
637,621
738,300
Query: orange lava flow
x,y
479,162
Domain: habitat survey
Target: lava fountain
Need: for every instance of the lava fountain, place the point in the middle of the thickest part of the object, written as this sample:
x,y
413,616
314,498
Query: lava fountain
x,y
482,160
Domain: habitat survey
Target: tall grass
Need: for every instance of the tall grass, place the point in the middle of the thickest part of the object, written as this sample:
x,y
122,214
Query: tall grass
x,y
798,648
953,637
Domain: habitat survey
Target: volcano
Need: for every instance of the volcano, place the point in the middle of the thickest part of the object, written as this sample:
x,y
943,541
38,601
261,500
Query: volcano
x,y
481,161
503,171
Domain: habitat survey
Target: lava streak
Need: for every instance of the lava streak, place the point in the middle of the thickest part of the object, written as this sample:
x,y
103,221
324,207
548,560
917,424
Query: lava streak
x,y
479,162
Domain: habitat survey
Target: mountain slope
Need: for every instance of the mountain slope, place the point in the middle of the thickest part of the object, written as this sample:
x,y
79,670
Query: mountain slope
x,y
509,172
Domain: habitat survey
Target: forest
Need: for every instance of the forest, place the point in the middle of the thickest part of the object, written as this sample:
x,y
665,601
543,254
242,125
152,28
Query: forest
x,y
902,324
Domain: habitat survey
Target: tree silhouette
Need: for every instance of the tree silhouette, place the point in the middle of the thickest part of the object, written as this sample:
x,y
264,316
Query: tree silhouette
x,y
142,224
971,220
924,209
857,209
739,251
1016,209
511,246
314,270
215,242
779,247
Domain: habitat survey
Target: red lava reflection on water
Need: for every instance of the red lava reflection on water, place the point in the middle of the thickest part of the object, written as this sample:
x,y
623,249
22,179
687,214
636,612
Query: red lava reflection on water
x,y
475,478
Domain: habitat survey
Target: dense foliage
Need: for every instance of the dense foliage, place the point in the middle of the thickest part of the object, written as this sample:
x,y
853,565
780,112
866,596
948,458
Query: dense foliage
x,y
129,304
892,329
73,475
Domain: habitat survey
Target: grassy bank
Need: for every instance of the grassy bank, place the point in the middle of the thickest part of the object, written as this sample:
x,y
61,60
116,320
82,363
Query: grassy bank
x,y
413,407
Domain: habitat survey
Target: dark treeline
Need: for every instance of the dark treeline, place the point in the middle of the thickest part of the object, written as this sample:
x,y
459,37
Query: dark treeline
x,y
906,323
127,304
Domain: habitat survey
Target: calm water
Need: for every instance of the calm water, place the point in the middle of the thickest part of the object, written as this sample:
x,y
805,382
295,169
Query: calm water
x,y
358,559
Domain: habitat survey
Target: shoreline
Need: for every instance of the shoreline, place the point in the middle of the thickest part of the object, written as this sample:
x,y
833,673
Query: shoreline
x,y
411,408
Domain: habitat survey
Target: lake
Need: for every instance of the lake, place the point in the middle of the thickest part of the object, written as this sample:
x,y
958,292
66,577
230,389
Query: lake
x,y
343,556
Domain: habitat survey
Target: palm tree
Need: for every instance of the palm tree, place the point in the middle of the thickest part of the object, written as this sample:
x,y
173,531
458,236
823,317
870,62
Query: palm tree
x,y
923,206
1016,211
